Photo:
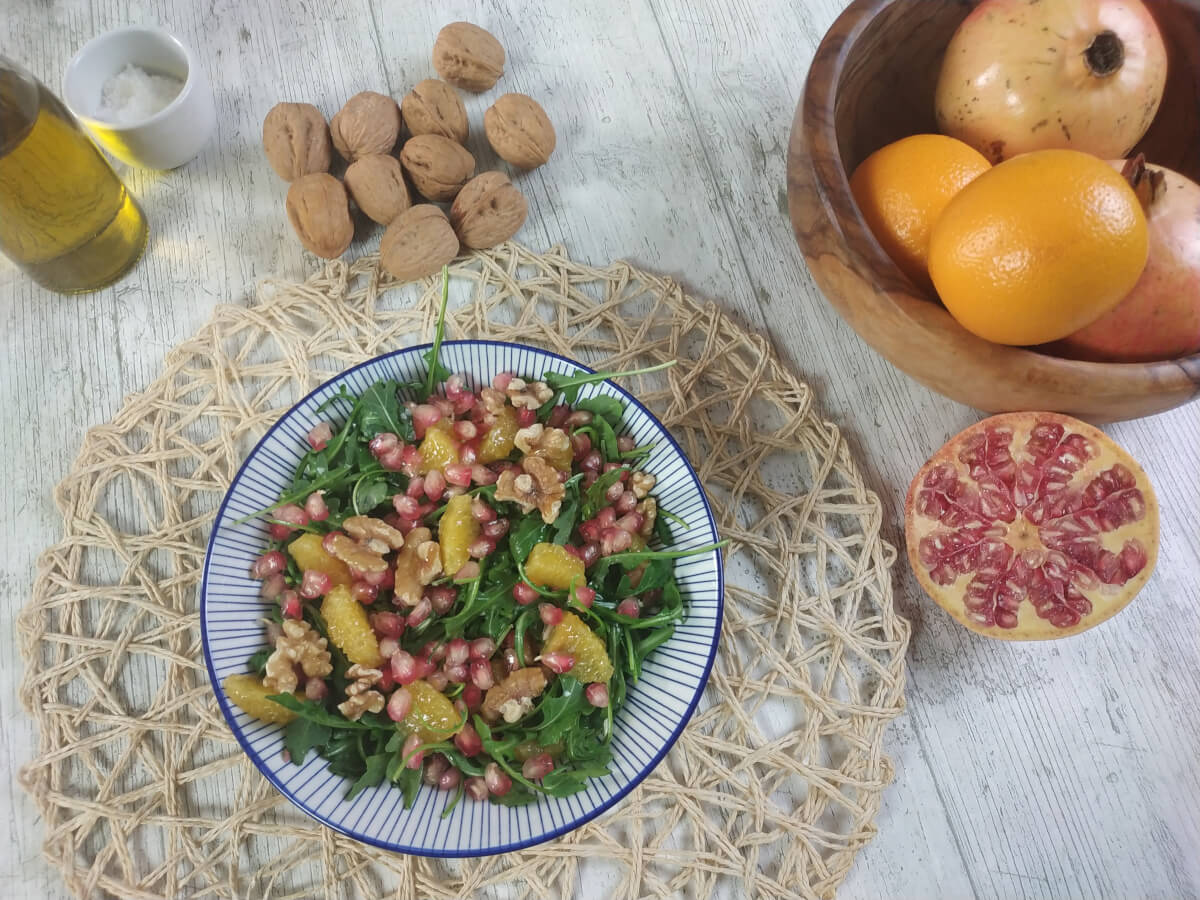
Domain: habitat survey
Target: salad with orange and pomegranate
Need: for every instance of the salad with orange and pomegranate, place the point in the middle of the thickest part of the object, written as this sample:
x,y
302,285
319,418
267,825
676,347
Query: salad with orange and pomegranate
x,y
465,585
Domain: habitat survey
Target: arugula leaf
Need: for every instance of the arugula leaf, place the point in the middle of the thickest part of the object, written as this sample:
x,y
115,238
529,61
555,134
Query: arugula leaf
x,y
569,385
318,714
662,531
656,574
560,712
301,735
605,407
527,532
568,514
376,767
593,497
257,663
608,440
437,372
380,410
368,493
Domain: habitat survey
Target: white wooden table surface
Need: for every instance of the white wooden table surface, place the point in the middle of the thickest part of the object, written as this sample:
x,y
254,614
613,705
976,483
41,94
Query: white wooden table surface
x,y
1068,770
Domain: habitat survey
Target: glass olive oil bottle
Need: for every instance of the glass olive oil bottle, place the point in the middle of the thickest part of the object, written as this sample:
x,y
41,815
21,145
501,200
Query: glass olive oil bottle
x,y
65,216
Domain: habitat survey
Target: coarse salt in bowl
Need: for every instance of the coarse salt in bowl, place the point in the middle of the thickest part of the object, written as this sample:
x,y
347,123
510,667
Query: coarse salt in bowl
x,y
657,707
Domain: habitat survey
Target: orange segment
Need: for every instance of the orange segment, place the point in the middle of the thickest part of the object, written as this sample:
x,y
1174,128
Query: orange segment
x,y
439,448
308,553
349,628
497,441
456,532
551,566
432,717
248,694
574,637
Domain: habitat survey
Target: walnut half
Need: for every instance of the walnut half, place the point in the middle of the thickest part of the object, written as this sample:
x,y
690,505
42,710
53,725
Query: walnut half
x,y
360,696
298,645
418,563
535,486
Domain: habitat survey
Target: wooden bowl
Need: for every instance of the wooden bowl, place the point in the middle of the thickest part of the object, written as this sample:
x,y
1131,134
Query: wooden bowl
x,y
871,83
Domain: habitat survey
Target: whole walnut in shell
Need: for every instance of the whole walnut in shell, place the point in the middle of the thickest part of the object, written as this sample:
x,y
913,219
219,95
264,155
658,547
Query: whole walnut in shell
x,y
376,183
319,210
437,166
468,57
519,131
296,140
487,211
368,123
418,243
433,107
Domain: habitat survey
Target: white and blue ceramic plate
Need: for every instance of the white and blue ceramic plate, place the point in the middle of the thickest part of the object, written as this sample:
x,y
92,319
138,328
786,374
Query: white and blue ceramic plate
x,y
656,710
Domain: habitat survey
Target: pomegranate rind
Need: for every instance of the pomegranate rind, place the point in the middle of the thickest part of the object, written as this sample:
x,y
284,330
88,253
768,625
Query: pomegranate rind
x,y
1096,467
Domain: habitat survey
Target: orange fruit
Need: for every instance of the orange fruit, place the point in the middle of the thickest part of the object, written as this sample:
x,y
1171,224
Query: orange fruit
x,y
1038,247
551,566
250,696
498,440
572,636
457,530
438,448
309,553
902,188
349,628
433,717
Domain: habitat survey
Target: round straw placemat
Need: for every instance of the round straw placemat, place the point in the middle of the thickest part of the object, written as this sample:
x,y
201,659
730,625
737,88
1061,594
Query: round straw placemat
x,y
769,792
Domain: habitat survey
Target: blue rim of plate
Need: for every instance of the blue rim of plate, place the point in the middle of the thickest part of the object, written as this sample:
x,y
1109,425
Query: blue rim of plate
x,y
620,794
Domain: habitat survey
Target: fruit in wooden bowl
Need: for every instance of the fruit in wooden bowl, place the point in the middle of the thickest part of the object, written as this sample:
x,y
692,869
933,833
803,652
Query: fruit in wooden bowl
x,y
873,82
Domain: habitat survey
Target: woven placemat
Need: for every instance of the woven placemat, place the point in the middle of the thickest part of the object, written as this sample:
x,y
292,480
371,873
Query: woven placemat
x,y
769,792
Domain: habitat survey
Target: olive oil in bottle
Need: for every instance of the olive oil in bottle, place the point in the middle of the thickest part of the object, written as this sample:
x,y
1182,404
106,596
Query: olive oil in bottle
x,y
65,217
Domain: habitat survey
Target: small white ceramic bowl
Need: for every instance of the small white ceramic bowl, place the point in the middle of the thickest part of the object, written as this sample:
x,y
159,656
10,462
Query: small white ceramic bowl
x,y
170,137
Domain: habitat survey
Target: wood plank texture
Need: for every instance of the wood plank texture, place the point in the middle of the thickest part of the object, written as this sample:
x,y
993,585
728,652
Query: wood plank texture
x,y
1023,771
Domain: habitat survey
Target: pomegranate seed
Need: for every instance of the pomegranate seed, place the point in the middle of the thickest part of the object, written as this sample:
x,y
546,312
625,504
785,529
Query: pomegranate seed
x,y
327,541
596,694
435,651
388,646
584,595
625,443
472,697
581,446
590,530
320,435
526,417
419,613
630,522
468,572
442,598
410,752
609,467
386,682
607,517
460,705
558,415
458,474
388,624
315,689
589,478
315,507
399,704
268,564
383,444
289,518
406,507
289,605
590,553
273,586
449,780
393,460
476,788
625,503
615,540
510,660
455,674
468,452
468,740
558,662
458,651
524,594
481,474
577,418
482,648
481,547
444,406
630,606
481,674
456,386
464,404
551,615
423,416
480,511
537,767
496,779
314,584
364,593
574,551
385,580
434,769
465,430
410,459
435,485
404,667
426,667
591,461
496,530
416,487
614,492
438,680
501,381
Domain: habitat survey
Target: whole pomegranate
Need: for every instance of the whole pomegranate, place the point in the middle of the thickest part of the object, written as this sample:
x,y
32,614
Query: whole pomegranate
x,y
1029,526
1080,74
1160,317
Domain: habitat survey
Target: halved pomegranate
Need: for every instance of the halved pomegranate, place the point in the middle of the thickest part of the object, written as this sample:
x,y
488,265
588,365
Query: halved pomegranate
x,y
1029,526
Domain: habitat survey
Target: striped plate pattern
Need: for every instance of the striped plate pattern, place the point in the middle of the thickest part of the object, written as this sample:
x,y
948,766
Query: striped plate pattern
x,y
656,710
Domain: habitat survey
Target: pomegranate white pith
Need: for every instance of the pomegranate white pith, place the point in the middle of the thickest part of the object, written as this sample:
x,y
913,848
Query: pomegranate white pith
x,y
1030,526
